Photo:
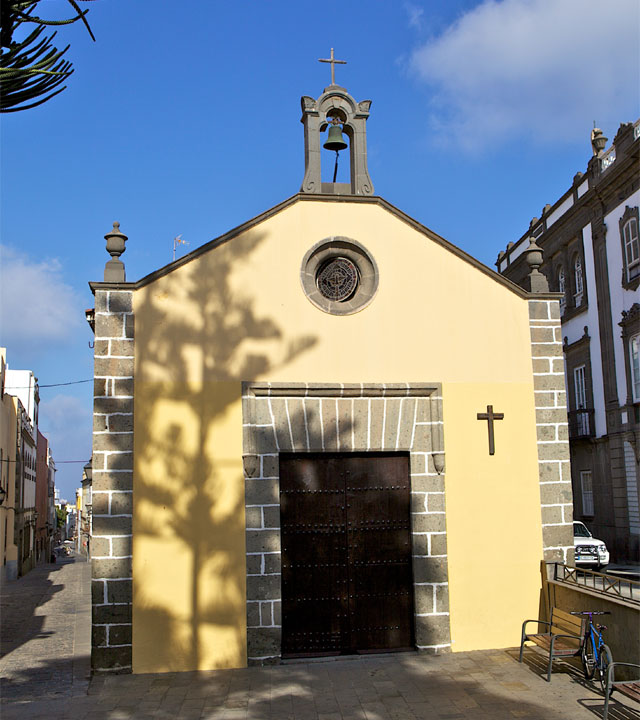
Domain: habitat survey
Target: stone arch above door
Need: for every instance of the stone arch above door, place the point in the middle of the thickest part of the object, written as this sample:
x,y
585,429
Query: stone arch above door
x,y
321,417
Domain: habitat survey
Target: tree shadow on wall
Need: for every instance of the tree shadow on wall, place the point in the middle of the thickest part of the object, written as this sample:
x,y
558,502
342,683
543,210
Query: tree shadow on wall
x,y
198,336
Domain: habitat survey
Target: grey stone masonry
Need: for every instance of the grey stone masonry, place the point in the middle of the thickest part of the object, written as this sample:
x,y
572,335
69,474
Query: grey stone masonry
x,y
556,498
301,417
335,102
111,573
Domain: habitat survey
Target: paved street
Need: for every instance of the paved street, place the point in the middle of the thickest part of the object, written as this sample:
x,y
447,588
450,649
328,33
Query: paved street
x,y
44,667
45,632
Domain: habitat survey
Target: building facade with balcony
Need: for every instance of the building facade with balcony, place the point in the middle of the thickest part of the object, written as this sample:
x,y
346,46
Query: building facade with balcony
x,y
590,243
51,502
25,493
45,524
22,385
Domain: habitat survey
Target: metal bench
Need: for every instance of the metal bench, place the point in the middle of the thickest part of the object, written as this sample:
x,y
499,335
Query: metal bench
x,y
630,688
563,639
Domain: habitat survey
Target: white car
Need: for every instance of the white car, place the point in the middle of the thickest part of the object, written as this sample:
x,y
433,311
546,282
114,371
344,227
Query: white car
x,y
588,550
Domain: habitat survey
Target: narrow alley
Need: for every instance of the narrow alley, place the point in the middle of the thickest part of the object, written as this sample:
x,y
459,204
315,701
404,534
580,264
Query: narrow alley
x,y
45,641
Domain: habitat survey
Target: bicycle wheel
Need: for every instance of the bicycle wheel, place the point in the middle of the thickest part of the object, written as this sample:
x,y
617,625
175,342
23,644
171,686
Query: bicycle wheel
x,y
604,661
588,658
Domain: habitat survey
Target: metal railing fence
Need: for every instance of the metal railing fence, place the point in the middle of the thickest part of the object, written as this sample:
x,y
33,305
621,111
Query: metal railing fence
x,y
609,585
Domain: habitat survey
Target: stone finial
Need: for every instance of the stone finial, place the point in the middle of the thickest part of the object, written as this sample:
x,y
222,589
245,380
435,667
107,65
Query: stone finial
x,y
598,141
534,254
536,281
114,269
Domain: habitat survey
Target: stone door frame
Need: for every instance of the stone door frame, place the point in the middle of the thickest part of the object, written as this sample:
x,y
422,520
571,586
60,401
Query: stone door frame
x,y
329,417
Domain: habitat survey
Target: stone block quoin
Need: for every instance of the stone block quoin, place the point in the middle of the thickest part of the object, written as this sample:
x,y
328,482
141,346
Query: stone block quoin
x,y
111,564
556,498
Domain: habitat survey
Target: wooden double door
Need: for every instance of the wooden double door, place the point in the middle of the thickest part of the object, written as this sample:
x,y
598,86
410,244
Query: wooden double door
x,y
347,583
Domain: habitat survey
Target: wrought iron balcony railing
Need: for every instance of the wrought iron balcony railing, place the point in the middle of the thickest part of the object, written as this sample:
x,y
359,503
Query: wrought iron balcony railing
x,y
581,423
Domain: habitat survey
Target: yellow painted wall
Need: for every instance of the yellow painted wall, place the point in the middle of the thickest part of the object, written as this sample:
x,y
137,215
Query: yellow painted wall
x,y
8,437
494,532
238,313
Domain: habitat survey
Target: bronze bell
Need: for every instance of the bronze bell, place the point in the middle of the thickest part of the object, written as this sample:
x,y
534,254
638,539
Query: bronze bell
x,y
335,141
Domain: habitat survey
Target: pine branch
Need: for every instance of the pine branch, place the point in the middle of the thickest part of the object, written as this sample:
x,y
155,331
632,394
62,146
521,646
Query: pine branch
x,y
32,68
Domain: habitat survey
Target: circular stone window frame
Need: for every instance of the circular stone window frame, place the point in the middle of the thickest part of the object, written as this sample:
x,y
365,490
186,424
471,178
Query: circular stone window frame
x,y
330,249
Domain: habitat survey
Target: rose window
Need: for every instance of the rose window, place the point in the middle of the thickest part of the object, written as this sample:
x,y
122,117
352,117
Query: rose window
x,y
337,280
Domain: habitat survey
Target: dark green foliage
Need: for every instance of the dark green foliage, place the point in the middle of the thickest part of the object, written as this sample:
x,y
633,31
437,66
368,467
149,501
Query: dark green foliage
x,y
32,70
61,517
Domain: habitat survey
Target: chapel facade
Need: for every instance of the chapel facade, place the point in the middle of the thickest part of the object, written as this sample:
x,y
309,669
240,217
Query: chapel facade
x,y
299,450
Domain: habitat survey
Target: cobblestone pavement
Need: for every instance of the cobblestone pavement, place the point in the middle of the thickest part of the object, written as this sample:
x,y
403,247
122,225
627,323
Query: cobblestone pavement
x,y
45,625
45,635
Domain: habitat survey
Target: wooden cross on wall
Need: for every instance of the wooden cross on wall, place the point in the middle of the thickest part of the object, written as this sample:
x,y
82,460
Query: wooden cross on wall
x,y
490,416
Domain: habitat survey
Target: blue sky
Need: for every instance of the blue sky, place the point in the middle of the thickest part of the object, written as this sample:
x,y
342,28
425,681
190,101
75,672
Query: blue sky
x,y
184,118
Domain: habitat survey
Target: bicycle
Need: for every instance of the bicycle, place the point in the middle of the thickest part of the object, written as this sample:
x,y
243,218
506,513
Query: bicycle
x,y
595,655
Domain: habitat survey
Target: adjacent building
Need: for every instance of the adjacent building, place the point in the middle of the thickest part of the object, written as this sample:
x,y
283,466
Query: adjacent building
x,y
71,526
28,475
25,485
8,457
62,508
591,256
45,510
52,519
85,524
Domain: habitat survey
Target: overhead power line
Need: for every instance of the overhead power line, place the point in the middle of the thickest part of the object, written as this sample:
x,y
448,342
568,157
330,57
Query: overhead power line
x,y
28,387
73,382
57,462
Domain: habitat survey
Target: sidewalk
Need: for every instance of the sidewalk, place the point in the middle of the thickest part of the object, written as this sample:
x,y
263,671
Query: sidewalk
x,y
630,570
45,635
45,632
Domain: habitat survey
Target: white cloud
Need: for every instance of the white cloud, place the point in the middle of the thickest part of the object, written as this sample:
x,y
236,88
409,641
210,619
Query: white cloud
x,y
414,14
62,412
542,70
36,305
